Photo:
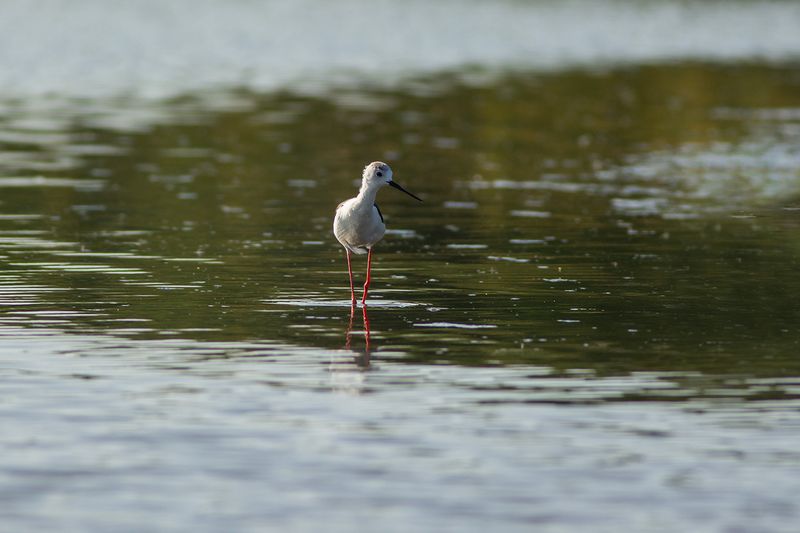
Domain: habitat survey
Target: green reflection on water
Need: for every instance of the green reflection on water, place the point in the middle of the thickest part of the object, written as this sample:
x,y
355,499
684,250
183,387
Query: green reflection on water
x,y
627,221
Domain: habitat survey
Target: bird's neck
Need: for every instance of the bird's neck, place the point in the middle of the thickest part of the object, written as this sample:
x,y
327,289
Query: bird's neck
x,y
366,195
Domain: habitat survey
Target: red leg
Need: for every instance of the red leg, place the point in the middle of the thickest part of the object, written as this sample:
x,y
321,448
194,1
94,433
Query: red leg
x,y
366,330
369,277
348,334
350,273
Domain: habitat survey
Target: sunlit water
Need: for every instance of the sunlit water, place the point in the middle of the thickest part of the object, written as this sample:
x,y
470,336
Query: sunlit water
x,y
591,323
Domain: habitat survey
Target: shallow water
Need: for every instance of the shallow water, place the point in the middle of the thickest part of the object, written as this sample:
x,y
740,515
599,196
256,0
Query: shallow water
x,y
589,324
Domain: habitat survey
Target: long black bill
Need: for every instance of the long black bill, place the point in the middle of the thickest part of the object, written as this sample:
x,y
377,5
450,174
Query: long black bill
x,y
399,188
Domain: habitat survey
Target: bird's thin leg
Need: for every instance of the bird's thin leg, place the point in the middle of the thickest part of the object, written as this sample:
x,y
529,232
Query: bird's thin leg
x,y
350,273
369,277
348,333
366,331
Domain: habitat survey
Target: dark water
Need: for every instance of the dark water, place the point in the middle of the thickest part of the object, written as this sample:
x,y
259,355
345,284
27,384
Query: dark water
x,y
590,322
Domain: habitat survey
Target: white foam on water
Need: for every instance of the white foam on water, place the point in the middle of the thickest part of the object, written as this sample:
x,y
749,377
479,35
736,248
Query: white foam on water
x,y
453,325
322,302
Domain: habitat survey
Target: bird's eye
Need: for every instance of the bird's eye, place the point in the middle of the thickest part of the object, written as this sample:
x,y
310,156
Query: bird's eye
x,y
380,174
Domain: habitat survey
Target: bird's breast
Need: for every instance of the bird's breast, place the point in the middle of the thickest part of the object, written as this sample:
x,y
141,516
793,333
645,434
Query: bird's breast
x,y
357,226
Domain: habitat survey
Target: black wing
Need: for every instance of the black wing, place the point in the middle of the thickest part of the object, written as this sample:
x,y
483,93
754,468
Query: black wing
x,y
379,211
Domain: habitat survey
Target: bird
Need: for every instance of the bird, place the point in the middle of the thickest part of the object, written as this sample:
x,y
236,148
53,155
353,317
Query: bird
x,y
358,223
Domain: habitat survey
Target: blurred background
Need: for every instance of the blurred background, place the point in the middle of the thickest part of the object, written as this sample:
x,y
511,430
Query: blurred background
x,y
591,323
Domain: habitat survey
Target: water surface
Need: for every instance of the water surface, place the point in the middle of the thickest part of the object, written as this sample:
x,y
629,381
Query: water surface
x,y
589,324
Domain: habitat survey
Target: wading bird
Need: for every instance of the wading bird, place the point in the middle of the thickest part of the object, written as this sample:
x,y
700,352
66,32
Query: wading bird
x,y
359,223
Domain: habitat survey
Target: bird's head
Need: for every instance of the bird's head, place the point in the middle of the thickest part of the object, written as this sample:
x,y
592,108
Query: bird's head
x,y
377,174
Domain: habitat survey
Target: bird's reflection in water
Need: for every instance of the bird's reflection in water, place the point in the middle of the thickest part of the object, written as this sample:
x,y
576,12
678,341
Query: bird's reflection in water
x,y
362,360
349,367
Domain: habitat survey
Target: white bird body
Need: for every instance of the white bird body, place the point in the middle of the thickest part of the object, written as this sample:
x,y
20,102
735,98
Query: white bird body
x,y
358,223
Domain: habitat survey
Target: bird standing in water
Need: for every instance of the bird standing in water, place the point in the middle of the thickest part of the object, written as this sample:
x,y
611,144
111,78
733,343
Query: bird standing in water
x,y
359,223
